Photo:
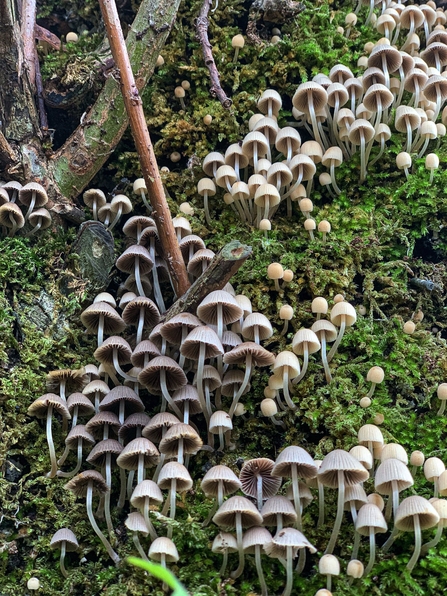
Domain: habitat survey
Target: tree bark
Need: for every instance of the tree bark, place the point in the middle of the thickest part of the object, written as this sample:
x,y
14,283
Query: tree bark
x,y
67,172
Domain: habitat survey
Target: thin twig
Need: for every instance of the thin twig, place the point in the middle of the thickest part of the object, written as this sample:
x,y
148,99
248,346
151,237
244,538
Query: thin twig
x,y
43,34
143,144
201,25
29,44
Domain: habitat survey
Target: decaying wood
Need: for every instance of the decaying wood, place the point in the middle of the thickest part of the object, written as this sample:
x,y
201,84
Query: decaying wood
x,y
134,108
221,269
201,25
43,34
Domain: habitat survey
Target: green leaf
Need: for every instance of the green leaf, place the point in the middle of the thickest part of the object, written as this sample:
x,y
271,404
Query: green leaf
x,y
162,573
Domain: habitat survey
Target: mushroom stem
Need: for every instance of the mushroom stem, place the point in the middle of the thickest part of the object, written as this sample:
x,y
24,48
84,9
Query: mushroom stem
x,y
333,180
119,370
428,545
61,560
289,568
200,364
372,552
441,409
339,518
31,205
341,332
138,546
261,578
150,527
320,504
248,367
296,498
138,277
382,149
166,396
327,370
52,473
285,388
88,501
116,220
392,537
108,470
240,548
224,562
305,365
172,504
78,464
355,548
417,544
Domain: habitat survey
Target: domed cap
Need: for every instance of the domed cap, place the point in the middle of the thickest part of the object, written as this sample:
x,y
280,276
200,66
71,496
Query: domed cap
x,y
173,330
150,376
39,407
96,424
100,452
173,470
294,456
339,460
122,393
163,548
67,536
284,539
410,508
79,484
145,349
370,518
155,428
146,490
392,471
93,314
253,537
278,505
238,355
10,216
305,339
228,512
169,444
82,403
130,456
131,313
259,321
223,543
31,189
126,262
220,474
208,309
135,523
111,345
78,432
132,425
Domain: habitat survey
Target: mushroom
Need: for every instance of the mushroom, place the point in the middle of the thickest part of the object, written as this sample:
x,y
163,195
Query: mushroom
x,y
162,375
417,459
67,542
304,342
94,198
32,195
329,566
135,523
440,505
342,315
285,544
287,365
86,484
220,423
174,477
326,332
237,42
257,481
253,542
76,439
369,522
392,477
140,189
375,375
340,469
40,219
270,409
11,217
43,407
223,544
433,468
238,512
100,318
206,188
180,439
142,313
164,551
432,164
145,494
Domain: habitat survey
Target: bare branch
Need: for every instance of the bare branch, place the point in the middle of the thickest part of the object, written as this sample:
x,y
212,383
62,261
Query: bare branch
x,y
202,34
7,155
29,44
44,35
148,162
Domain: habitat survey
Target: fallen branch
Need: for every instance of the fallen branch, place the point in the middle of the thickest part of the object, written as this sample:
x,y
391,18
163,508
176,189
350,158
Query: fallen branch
x,y
43,34
7,154
221,269
201,25
29,44
134,108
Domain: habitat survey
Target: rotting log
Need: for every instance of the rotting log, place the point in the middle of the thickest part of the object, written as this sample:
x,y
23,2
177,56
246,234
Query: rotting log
x,y
221,269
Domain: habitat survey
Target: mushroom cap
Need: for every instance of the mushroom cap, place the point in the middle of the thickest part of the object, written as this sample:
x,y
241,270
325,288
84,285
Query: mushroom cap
x,y
39,407
126,261
272,98
155,429
311,89
340,73
201,336
120,201
294,456
131,313
233,155
169,445
283,540
383,52
363,454
361,128
100,452
302,165
287,135
326,327
392,470
369,518
173,470
135,523
151,375
91,317
80,401
253,469
412,506
216,301
329,565
337,92
252,140
33,188
253,537
220,474
173,329
339,460
332,155
111,345
433,468
220,421
278,505
406,114
228,512
96,424
122,393
394,450
238,355
436,85
305,339
78,432
211,377
41,216
187,394
94,194
67,536
163,546
191,240
144,348
131,425
370,433
130,228
286,361
343,309
355,495
146,490
435,49
375,374
10,211
130,455
202,257
223,543
256,320
79,484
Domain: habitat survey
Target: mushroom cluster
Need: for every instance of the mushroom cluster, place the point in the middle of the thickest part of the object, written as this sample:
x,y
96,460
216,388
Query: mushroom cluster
x,y
21,205
397,91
